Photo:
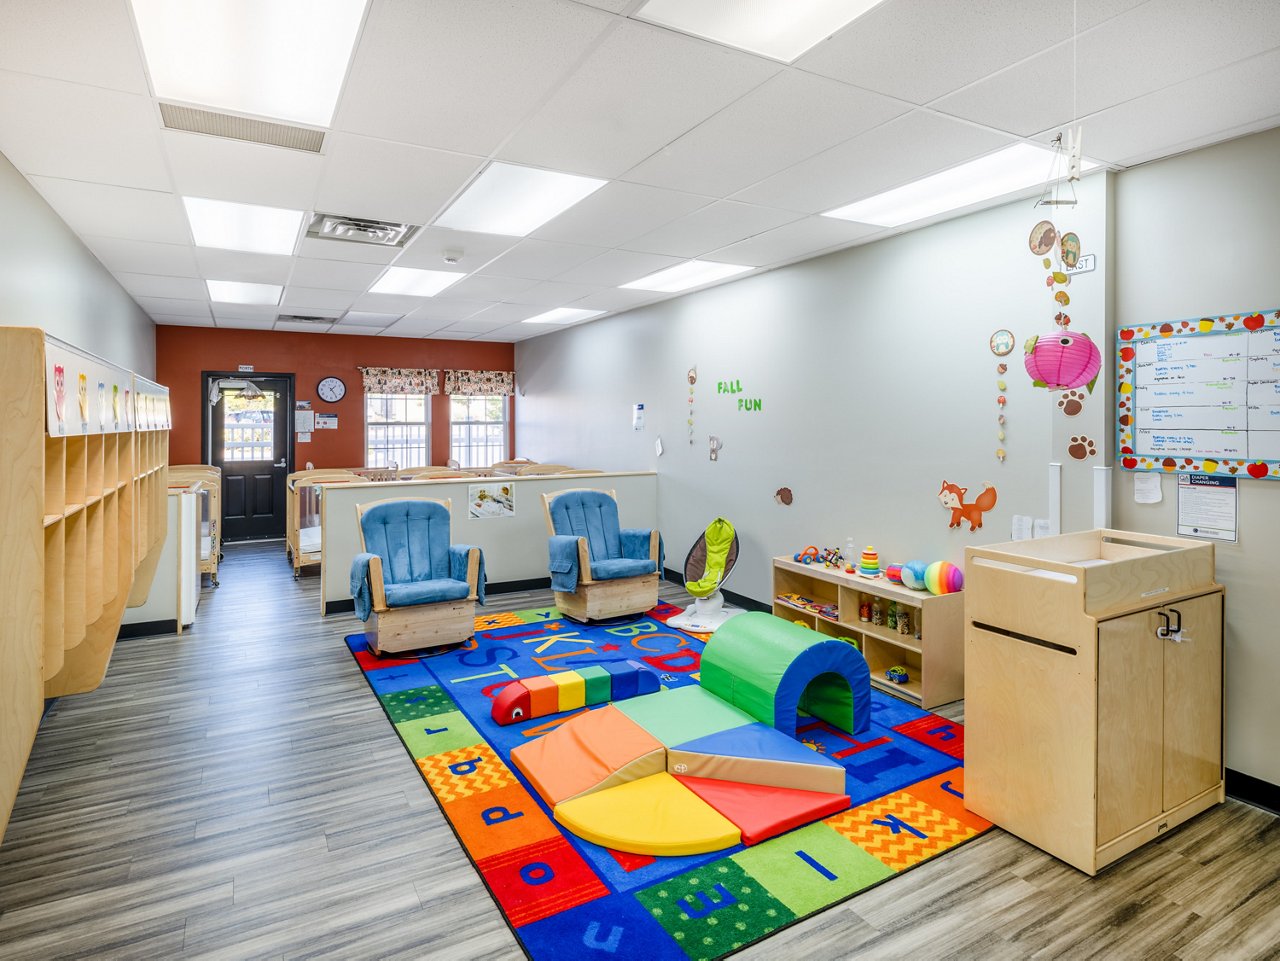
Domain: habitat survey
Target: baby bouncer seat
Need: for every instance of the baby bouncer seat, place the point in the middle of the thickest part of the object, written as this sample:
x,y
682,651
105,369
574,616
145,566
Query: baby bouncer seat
x,y
707,566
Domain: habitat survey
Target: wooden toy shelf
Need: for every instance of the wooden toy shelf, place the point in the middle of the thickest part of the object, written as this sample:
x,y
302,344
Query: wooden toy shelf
x,y
1092,723
933,651
84,446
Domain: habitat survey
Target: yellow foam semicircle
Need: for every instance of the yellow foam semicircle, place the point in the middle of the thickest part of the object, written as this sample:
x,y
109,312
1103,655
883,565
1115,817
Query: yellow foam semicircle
x,y
654,815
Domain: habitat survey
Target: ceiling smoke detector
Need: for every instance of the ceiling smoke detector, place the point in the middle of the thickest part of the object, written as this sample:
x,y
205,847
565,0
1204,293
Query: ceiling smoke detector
x,y
357,230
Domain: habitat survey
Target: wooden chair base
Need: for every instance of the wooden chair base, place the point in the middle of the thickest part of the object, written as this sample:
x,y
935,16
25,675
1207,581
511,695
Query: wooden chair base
x,y
417,628
600,600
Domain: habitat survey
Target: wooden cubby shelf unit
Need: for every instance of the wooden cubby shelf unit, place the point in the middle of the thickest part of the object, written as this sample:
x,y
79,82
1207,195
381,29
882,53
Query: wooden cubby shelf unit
x,y
82,521
932,651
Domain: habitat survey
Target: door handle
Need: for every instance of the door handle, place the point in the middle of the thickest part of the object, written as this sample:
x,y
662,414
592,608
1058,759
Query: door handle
x,y
1163,630
283,463
1177,627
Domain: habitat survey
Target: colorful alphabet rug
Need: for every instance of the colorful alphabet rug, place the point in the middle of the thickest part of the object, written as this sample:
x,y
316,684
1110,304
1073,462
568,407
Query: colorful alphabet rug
x,y
566,898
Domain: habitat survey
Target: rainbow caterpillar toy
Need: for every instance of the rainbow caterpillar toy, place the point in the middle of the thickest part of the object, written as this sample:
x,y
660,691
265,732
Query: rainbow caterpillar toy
x,y
568,690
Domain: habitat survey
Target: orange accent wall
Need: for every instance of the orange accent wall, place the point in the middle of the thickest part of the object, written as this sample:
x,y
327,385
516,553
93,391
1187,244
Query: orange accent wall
x,y
183,353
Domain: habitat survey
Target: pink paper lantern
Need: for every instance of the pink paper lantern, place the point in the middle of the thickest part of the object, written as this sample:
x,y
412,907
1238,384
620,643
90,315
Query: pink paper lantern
x,y
1062,360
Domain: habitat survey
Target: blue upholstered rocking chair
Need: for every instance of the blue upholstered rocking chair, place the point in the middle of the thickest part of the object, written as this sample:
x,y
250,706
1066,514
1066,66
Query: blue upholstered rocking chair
x,y
598,568
420,589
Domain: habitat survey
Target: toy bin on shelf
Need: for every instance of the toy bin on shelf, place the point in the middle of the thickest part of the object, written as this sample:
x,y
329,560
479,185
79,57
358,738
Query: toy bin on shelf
x,y
1093,692
932,650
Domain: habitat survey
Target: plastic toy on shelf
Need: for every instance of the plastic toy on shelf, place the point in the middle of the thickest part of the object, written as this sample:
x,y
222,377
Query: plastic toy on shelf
x,y
869,564
807,556
897,674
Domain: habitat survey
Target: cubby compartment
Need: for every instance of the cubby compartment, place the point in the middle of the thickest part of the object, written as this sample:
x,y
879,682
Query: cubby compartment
x,y
55,479
77,459
55,555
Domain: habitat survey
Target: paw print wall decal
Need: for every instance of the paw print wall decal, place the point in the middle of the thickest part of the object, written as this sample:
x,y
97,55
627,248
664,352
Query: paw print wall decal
x,y
1082,448
1071,402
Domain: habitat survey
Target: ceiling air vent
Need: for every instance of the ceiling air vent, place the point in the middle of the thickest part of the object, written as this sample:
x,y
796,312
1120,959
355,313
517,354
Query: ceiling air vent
x,y
357,230
241,128
303,319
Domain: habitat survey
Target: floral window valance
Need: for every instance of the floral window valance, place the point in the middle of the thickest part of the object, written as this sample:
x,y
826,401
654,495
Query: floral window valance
x,y
501,383
400,380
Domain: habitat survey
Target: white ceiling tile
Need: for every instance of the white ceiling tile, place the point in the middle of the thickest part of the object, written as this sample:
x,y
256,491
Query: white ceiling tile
x,y
301,328
917,50
791,241
387,303
480,287
507,313
721,223
334,274
476,325
416,327
175,320
140,257
514,334
362,318
640,89
258,312
247,173
784,120
618,299
615,267
447,311
379,180
174,306
84,41
613,6
109,211
461,74
552,294
1017,99
333,313
1194,113
247,323
354,330
894,153
217,264
617,212
154,285
315,298
540,259
345,250
428,247
55,129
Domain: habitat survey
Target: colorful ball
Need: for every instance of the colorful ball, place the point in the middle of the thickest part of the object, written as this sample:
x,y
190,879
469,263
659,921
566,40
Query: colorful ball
x,y
894,573
943,577
913,575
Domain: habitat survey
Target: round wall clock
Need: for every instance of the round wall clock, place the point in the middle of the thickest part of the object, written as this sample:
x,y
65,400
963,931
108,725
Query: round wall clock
x,y
331,389
1001,343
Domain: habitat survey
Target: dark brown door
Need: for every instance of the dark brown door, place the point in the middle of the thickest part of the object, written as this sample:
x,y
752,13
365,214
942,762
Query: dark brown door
x,y
249,440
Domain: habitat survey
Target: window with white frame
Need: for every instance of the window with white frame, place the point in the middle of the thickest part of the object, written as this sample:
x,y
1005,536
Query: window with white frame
x,y
397,430
477,429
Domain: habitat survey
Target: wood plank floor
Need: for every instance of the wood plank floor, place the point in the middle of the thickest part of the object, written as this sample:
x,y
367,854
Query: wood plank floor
x,y
237,793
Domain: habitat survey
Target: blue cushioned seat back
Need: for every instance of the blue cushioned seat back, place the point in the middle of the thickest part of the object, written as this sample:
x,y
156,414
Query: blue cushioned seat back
x,y
589,514
411,537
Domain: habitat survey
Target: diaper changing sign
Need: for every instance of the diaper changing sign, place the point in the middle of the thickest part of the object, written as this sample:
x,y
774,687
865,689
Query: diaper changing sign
x,y
1207,507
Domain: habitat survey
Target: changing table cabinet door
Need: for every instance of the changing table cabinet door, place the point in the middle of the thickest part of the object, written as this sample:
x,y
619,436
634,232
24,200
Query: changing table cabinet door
x,y
1159,712
1193,700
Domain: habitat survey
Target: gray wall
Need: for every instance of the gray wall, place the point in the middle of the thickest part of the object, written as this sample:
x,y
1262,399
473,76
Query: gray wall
x,y
49,279
876,383
1196,235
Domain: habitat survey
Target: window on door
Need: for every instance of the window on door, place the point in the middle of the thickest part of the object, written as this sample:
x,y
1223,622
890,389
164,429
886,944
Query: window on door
x,y
477,429
248,426
397,430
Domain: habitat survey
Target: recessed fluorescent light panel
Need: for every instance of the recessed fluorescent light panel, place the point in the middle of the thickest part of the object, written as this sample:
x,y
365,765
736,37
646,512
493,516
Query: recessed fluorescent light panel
x,y
285,59
995,175
780,29
412,282
515,201
238,292
692,273
562,315
259,230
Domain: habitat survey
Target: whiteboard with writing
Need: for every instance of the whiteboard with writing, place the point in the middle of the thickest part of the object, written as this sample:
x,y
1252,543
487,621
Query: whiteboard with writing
x,y
1201,396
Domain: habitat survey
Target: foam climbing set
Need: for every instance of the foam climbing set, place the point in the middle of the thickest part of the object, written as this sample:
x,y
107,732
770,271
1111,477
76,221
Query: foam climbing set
x,y
703,768
569,690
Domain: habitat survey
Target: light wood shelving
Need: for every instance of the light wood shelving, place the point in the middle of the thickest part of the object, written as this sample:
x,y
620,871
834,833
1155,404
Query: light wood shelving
x,y
932,651
84,444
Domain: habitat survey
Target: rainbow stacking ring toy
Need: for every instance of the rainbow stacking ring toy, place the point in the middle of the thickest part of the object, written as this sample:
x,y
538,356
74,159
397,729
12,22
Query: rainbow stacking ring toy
x,y
869,563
